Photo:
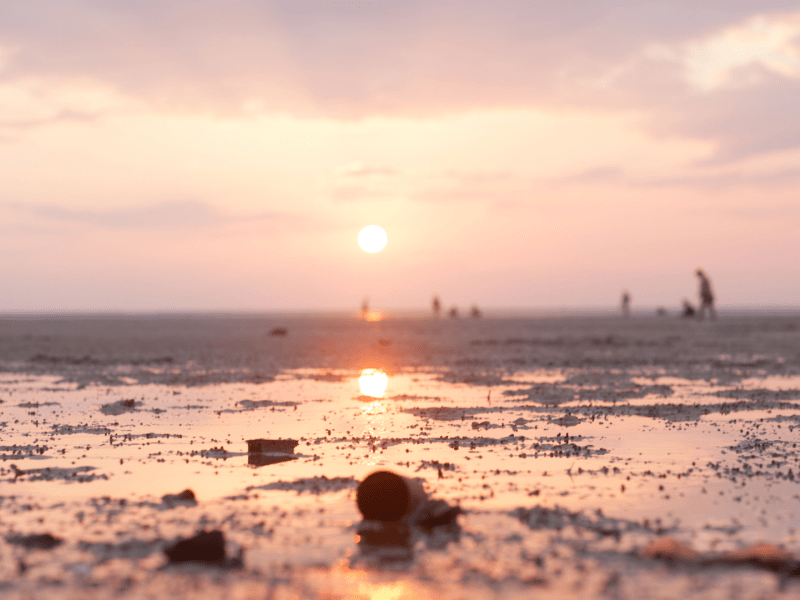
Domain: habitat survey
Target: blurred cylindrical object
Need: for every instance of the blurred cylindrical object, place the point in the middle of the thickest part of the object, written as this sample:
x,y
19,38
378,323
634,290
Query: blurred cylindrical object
x,y
386,496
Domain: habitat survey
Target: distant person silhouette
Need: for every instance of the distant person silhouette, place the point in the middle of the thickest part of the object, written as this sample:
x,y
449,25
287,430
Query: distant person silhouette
x,y
453,313
688,309
365,308
626,304
475,312
706,296
436,305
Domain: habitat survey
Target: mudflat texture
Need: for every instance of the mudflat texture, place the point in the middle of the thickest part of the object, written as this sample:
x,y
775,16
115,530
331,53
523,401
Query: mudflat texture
x,y
590,457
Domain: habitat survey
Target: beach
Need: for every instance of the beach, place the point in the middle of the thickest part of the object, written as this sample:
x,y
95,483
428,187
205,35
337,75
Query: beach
x,y
591,456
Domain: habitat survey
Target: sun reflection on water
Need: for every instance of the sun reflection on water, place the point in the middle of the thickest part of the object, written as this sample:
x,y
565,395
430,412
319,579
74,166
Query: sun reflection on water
x,y
373,383
374,408
390,591
356,583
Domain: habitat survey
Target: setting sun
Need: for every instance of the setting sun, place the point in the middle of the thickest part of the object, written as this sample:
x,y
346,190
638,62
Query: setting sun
x,y
372,238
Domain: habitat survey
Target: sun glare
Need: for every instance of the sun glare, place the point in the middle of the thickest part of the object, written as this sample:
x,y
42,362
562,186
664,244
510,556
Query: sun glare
x,y
373,383
372,315
372,238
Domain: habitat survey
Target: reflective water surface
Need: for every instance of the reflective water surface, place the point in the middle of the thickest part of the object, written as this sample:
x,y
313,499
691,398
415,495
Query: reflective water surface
x,y
564,474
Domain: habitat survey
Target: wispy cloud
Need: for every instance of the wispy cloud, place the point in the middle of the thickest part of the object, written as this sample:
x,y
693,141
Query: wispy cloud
x,y
189,214
593,176
477,187
31,101
728,179
359,169
63,116
767,42
355,193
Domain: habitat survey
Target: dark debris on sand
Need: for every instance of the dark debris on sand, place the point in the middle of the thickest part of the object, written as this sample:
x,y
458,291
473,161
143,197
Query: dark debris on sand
x,y
42,541
207,547
119,407
761,556
185,498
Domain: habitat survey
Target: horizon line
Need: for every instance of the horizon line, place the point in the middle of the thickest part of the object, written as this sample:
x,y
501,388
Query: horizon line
x,y
497,311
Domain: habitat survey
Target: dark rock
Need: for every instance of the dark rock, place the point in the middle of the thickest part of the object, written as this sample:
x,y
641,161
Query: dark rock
x,y
206,546
386,496
278,446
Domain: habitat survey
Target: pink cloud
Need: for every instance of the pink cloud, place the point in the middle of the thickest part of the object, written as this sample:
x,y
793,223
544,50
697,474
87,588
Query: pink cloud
x,y
412,58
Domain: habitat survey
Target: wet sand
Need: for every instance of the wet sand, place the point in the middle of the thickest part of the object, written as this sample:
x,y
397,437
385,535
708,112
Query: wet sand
x,y
590,456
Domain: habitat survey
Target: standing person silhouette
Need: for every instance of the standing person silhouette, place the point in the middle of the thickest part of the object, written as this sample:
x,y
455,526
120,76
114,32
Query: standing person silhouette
x,y
436,305
706,297
626,303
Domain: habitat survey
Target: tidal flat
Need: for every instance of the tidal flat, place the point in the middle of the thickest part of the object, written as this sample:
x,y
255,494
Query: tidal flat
x,y
590,456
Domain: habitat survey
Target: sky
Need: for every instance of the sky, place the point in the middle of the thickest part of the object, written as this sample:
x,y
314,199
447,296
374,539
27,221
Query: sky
x,y
203,155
